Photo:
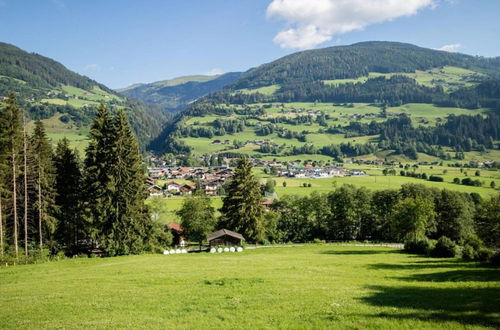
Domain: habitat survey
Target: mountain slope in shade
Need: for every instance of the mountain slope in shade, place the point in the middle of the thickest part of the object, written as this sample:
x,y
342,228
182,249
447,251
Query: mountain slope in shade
x,y
175,94
48,90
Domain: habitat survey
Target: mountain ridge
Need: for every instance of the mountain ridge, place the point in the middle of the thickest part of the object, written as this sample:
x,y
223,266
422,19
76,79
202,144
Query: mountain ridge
x,y
46,88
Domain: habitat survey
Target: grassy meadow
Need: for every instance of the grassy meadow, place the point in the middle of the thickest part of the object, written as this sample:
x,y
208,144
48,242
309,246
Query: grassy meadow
x,y
306,287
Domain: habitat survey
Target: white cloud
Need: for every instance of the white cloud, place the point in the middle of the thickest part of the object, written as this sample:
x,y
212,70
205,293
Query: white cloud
x,y
453,48
214,72
92,68
312,22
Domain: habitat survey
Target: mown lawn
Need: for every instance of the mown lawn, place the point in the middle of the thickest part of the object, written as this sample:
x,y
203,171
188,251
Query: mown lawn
x,y
313,287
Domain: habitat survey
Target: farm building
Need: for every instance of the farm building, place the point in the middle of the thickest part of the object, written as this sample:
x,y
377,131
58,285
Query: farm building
x,y
177,233
225,237
155,191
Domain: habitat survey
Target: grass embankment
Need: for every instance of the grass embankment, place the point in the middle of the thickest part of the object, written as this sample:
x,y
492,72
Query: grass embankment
x,y
301,287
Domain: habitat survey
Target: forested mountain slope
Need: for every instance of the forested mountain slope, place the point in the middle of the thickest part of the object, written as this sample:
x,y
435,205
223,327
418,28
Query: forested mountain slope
x,y
173,95
48,90
358,60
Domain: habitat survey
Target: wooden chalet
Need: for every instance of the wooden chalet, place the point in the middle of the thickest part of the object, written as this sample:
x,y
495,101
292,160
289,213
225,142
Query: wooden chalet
x,y
225,237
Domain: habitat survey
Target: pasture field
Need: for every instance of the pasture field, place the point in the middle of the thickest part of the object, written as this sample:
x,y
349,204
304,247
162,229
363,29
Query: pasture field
x,y
301,287
57,130
448,77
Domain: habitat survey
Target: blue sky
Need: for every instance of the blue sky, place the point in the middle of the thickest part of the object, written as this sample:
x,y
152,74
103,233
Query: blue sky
x,y
120,42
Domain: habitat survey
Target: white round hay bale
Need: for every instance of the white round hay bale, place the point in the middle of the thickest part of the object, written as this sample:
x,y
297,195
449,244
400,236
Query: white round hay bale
x,y
220,250
226,249
239,249
213,250
166,252
178,251
232,249
184,251
172,251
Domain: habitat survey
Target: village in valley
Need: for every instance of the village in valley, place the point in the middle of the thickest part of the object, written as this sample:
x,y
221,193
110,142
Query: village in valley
x,y
162,178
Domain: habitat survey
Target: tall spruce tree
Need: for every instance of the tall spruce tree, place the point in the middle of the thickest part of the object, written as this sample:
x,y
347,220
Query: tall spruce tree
x,y
131,223
25,191
70,227
115,187
99,158
241,209
44,179
10,150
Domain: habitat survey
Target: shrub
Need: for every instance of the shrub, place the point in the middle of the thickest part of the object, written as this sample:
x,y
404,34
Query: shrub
x,y
318,241
469,253
436,178
484,254
495,259
445,248
423,246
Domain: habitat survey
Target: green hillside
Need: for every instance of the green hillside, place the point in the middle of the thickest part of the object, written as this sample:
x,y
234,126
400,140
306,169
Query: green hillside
x,y
377,99
175,94
49,91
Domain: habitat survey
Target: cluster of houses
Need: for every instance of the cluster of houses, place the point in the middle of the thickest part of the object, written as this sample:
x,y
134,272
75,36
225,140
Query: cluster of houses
x,y
209,180
311,172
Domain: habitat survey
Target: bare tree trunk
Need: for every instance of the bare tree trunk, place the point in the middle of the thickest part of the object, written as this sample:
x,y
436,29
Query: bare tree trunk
x,y
40,208
25,191
1,226
14,201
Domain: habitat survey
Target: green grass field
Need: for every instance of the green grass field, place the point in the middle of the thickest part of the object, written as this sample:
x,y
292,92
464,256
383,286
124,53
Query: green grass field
x,y
57,130
308,287
449,77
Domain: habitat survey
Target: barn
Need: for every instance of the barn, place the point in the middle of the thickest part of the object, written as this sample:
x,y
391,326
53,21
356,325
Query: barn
x,y
225,237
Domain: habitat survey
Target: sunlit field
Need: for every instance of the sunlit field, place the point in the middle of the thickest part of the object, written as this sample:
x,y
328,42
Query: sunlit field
x,y
312,286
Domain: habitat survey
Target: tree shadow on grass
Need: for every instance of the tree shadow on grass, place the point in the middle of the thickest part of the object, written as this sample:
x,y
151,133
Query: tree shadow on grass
x,y
468,306
440,263
359,252
466,275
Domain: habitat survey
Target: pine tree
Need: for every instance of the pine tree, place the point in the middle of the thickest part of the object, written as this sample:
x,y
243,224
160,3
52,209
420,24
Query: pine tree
x,y
241,209
99,158
131,221
44,173
25,195
115,188
70,228
10,148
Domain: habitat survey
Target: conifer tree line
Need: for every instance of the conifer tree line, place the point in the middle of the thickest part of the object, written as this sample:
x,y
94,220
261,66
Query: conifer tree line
x,y
52,202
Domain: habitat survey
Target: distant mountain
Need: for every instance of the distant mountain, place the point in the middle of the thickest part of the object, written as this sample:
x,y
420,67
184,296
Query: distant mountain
x,y
47,89
173,95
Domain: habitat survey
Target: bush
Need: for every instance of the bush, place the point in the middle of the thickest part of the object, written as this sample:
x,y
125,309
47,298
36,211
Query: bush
x,y
495,259
423,246
436,178
469,253
445,248
484,254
